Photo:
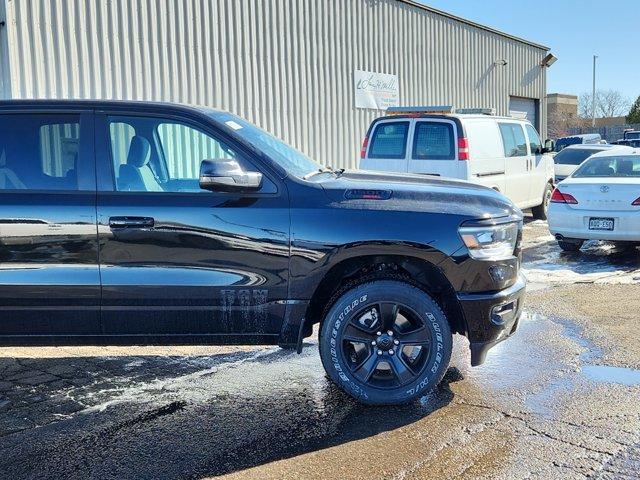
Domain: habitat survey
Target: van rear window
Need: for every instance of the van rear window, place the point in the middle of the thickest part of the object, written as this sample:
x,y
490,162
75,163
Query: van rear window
x,y
389,140
433,141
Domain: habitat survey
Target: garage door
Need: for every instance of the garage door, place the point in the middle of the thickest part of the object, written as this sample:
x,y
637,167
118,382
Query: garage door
x,y
524,108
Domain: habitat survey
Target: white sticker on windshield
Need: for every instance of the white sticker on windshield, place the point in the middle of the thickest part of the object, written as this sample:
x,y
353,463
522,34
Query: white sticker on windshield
x,y
232,124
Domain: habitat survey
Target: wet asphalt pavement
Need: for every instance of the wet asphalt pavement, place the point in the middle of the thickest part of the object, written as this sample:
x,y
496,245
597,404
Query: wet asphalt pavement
x,y
561,399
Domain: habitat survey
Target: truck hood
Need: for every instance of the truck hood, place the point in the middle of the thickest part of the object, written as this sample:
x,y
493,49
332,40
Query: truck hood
x,y
419,193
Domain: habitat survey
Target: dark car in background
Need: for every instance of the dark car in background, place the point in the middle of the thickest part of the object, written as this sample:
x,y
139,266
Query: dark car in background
x,y
582,139
634,143
145,223
631,134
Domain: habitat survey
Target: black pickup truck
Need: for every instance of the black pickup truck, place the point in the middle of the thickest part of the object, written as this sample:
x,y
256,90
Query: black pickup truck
x,y
136,223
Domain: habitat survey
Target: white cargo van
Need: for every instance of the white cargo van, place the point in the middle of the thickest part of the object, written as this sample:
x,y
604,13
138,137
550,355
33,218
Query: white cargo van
x,y
503,153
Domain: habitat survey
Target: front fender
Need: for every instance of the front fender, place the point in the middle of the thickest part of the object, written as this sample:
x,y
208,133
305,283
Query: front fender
x,y
307,272
312,285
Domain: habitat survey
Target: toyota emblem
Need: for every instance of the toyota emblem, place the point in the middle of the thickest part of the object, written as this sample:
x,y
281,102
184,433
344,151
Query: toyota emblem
x,y
604,188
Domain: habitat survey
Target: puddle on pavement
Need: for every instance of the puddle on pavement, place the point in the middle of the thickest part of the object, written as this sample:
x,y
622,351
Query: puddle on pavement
x,y
544,264
544,401
521,365
601,263
572,383
608,374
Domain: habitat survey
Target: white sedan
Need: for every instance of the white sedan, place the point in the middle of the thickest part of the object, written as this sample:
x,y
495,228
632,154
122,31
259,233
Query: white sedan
x,y
569,159
599,201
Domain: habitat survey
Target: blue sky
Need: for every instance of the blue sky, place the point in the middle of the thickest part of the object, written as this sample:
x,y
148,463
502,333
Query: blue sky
x,y
575,31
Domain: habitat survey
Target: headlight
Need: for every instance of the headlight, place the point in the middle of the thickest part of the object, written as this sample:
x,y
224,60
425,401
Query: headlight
x,y
493,242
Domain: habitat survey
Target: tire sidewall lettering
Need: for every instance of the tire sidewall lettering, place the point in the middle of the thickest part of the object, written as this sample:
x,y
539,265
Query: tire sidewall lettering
x,y
430,372
422,384
333,341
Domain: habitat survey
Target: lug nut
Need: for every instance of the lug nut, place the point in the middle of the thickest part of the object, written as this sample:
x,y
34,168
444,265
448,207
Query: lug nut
x,y
379,352
390,352
378,333
373,342
395,342
390,333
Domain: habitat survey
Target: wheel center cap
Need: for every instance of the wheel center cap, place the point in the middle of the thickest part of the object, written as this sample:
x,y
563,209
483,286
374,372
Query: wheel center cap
x,y
384,342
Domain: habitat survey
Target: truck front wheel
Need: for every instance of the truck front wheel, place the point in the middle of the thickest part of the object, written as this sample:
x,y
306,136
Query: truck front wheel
x,y
385,342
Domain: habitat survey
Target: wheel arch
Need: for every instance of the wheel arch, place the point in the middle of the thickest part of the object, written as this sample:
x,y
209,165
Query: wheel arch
x,y
354,270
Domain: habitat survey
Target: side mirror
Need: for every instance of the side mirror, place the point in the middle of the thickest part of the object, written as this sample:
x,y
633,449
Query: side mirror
x,y
226,175
549,146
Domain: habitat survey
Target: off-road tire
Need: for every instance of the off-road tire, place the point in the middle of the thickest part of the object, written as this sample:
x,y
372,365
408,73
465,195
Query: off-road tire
x,y
414,308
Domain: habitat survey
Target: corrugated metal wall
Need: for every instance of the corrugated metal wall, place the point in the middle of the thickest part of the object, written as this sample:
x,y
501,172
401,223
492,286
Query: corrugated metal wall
x,y
286,65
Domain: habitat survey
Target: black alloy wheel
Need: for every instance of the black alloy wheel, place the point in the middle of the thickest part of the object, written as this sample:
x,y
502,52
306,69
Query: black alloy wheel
x,y
385,342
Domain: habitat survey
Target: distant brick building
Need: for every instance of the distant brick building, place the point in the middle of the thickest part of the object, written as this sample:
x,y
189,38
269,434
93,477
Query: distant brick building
x,y
610,121
562,114
562,103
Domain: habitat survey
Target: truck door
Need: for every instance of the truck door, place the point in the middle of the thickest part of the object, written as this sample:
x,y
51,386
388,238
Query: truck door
x,y
49,274
178,260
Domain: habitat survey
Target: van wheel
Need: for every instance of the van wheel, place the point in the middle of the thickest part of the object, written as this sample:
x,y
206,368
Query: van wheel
x,y
570,246
541,211
385,342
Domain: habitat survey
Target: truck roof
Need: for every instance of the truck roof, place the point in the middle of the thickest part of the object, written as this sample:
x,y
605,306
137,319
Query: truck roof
x,y
91,104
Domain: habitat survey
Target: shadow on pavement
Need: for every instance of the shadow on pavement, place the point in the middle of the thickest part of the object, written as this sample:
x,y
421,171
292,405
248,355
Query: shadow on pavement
x,y
179,417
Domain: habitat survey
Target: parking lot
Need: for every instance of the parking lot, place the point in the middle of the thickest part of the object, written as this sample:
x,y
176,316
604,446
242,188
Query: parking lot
x,y
560,399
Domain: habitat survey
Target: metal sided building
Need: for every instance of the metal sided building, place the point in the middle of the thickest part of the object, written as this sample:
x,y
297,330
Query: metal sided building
x,y
313,72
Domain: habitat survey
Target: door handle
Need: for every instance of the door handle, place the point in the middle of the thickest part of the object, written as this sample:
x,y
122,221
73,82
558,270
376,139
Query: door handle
x,y
131,222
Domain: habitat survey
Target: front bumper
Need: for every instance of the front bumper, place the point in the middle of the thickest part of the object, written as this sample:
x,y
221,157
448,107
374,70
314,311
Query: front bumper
x,y
491,317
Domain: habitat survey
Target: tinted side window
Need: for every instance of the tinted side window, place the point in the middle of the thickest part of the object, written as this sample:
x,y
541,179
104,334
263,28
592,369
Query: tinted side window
x,y
152,154
513,139
389,140
39,151
433,141
534,140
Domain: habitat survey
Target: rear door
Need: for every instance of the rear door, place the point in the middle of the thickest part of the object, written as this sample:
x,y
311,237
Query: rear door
x,y
177,260
49,278
387,148
516,163
433,148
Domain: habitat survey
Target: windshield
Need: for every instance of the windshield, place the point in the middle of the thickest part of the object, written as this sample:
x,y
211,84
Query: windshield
x,y
632,136
287,157
574,156
623,166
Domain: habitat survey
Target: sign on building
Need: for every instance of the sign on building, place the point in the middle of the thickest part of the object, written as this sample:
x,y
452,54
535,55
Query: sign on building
x,y
378,91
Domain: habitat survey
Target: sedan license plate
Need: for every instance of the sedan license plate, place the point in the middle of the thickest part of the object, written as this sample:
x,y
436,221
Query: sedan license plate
x,y
601,224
